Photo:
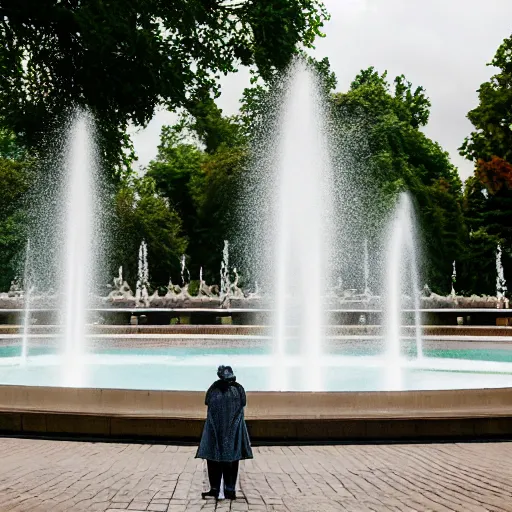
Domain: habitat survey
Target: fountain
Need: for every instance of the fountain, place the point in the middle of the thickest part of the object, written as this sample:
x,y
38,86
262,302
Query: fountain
x,y
62,254
301,243
501,283
183,266
454,280
81,230
141,291
225,283
401,277
299,351
121,289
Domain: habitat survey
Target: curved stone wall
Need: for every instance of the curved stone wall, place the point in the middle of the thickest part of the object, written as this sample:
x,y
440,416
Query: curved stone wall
x,y
272,416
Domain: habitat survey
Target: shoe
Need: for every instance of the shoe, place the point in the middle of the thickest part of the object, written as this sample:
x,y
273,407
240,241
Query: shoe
x,y
212,493
230,495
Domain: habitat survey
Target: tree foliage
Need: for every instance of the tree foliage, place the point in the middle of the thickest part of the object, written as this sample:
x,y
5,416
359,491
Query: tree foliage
x,y
492,118
260,100
16,177
141,214
488,196
196,169
478,270
397,155
123,58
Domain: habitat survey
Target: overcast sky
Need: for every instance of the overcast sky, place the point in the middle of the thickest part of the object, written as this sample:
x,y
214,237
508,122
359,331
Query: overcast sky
x,y
443,45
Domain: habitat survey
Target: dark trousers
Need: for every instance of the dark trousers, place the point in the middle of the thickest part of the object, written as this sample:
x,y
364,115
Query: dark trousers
x,y
217,470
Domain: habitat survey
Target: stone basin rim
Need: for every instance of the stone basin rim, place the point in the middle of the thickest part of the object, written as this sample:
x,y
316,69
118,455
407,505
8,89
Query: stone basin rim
x,y
272,417
262,405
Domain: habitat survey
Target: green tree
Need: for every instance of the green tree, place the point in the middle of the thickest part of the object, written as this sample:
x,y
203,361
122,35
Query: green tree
x,y
196,169
143,214
394,155
260,102
123,58
488,196
176,167
492,118
216,196
10,148
206,122
16,176
477,273
16,180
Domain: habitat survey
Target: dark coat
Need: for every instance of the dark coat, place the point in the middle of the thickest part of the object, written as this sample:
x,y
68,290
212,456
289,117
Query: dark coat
x,y
225,437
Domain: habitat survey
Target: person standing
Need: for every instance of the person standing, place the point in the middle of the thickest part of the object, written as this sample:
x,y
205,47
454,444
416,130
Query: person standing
x,y
225,440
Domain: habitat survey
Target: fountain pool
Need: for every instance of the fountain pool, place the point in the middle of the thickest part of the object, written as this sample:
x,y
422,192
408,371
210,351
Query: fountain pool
x,y
348,365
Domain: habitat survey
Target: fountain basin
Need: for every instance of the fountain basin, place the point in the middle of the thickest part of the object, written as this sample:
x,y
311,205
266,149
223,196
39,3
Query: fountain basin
x,y
271,416
152,387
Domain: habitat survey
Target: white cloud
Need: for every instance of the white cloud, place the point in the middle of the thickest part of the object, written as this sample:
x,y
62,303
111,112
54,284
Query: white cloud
x,y
443,45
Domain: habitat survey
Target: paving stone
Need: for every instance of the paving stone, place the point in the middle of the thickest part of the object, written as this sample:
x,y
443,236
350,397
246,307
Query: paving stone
x,y
163,495
138,505
61,476
158,507
242,506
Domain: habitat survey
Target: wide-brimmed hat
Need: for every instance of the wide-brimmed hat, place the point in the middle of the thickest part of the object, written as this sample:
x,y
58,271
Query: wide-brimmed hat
x,y
225,372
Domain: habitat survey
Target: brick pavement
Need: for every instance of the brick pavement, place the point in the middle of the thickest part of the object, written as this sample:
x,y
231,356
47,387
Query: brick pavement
x,y
61,476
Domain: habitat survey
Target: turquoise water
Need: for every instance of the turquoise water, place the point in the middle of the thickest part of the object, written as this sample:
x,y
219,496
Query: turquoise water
x,y
194,368
14,351
498,355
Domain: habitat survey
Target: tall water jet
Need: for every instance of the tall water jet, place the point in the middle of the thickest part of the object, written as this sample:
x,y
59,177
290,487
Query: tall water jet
x,y
454,279
301,238
182,264
27,295
401,278
225,283
141,290
501,283
79,256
